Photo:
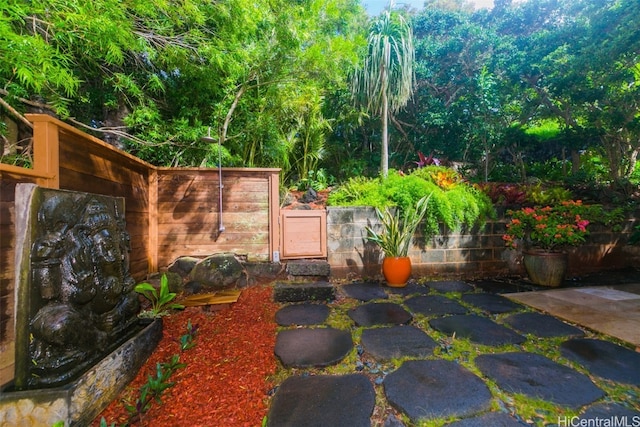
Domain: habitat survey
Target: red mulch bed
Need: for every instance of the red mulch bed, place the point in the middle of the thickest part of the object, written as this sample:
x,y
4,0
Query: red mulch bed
x,y
226,378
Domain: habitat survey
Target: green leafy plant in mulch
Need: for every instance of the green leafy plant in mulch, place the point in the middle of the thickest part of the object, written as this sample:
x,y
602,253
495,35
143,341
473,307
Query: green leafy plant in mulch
x,y
161,299
453,202
152,390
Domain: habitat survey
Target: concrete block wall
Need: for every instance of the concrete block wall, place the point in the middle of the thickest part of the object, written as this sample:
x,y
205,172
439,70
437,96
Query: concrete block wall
x,y
479,252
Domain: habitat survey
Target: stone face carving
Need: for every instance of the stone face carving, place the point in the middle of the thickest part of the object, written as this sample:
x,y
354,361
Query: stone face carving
x,y
82,302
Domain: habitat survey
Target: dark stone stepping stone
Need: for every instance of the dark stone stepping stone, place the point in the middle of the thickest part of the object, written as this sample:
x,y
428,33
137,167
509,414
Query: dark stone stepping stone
x,y
434,305
365,291
477,329
542,325
491,419
302,314
427,389
382,313
303,291
410,289
397,341
490,303
445,286
536,376
604,359
608,411
323,400
306,347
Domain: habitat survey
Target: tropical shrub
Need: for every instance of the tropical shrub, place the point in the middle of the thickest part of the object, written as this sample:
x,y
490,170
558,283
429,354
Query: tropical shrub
x,y
453,202
557,227
397,232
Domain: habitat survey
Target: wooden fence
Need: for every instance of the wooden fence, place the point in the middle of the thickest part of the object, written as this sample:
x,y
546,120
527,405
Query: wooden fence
x,y
169,211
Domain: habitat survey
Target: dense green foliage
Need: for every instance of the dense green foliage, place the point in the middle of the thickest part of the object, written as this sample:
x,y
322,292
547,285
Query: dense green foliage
x,y
542,88
525,90
452,201
153,76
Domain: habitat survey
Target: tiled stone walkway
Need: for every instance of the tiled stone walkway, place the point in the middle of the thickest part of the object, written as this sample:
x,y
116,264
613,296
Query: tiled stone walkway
x,y
444,354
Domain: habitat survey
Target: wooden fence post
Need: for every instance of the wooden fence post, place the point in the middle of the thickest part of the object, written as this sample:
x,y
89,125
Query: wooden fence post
x,y
46,151
274,217
153,221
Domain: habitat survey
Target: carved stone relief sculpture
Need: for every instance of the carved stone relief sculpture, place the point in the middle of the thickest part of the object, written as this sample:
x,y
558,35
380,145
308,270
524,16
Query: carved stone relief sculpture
x,y
81,298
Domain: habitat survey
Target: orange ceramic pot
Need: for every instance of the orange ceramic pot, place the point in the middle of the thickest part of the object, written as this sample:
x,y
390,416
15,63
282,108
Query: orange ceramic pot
x,y
396,271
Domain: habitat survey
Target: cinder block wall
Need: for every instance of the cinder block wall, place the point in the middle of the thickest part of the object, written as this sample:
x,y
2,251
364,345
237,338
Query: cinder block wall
x,y
479,252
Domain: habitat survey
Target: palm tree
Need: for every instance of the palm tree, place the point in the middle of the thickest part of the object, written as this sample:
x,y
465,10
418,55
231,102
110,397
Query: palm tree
x,y
385,82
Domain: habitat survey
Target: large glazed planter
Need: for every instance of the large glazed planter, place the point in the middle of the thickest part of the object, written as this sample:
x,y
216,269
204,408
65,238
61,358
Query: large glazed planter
x,y
396,271
545,268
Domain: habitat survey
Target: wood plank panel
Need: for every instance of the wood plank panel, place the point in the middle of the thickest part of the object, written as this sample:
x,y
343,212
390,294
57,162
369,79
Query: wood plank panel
x,y
209,193
179,210
303,234
214,238
242,219
136,197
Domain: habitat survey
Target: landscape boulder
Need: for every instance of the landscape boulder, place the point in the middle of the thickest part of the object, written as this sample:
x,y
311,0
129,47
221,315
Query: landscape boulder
x,y
219,271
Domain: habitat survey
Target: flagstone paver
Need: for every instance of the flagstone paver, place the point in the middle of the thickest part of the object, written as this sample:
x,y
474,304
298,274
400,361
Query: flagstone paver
x,y
604,359
428,389
364,291
322,401
491,419
476,328
445,286
397,341
607,411
302,314
434,305
494,304
381,313
309,347
542,325
537,376
412,288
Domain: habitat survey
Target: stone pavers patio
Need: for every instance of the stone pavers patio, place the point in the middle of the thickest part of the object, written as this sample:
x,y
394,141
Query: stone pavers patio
x,y
446,353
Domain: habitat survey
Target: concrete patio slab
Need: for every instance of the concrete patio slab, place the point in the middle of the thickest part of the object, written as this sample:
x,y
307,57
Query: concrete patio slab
x,y
611,310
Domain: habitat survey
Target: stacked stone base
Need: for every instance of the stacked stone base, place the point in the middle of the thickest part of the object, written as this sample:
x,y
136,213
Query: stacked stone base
x,y
78,403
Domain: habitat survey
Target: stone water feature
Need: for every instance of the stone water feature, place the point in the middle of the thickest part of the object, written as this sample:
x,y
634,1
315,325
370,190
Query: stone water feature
x,y
78,338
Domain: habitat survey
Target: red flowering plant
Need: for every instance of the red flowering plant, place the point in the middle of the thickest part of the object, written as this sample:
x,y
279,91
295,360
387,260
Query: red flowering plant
x,y
549,228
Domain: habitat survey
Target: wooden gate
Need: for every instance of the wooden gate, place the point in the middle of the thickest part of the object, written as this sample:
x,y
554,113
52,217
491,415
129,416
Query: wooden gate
x,y
303,234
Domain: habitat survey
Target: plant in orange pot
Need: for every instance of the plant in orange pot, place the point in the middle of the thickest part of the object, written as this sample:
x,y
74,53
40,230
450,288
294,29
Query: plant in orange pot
x,y
395,239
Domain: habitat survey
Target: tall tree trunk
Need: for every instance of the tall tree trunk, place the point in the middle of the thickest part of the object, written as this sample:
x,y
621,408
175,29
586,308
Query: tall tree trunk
x,y
384,155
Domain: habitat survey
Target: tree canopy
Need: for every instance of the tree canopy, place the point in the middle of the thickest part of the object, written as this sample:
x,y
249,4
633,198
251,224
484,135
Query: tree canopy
x,y
510,93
